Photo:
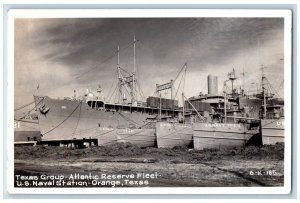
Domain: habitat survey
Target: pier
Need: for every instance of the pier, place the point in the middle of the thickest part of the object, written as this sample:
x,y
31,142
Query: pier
x,y
75,143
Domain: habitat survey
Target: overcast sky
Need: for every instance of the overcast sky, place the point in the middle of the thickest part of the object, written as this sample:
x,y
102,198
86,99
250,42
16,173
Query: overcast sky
x,y
53,52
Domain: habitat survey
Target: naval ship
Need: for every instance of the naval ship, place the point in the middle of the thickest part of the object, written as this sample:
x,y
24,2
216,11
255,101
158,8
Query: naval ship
x,y
271,113
214,120
203,121
239,118
92,116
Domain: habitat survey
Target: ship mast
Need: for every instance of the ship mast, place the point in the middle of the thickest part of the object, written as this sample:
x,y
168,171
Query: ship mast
x,y
232,77
265,107
127,81
183,109
159,106
134,62
263,90
225,110
133,90
119,76
225,94
243,74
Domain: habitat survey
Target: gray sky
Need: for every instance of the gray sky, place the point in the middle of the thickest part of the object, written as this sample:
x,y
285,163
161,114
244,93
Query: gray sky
x,y
53,52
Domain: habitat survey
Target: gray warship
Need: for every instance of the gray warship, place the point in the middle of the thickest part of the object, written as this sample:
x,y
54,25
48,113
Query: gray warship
x,y
203,121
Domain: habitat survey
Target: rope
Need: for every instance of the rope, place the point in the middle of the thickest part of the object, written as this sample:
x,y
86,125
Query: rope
x,y
200,117
30,110
21,107
141,91
184,81
128,119
184,65
79,76
105,133
127,57
112,85
77,120
63,120
271,87
104,61
113,92
124,70
178,86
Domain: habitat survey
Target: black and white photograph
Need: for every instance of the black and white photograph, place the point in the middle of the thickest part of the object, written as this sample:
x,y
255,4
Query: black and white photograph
x,y
146,101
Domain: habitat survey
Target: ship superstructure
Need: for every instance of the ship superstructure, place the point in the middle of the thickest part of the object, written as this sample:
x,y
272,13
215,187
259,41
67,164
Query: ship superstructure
x,y
129,118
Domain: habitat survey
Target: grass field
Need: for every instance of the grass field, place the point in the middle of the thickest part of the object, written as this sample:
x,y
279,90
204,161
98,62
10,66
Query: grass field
x,y
177,167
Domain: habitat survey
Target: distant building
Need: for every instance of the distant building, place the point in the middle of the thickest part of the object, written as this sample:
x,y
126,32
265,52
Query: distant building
x,y
212,84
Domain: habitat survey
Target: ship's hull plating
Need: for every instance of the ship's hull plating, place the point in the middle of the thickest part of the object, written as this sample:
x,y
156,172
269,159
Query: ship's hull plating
x,y
220,135
73,119
272,131
170,135
139,137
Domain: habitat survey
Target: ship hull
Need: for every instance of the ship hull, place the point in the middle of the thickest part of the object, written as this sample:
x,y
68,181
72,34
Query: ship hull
x,y
25,131
272,131
221,135
74,119
170,135
138,137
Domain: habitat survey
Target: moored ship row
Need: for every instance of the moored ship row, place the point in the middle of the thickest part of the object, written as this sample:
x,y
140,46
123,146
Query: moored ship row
x,y
209,120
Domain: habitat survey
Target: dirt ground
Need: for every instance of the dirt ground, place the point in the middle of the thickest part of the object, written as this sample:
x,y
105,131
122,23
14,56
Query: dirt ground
x,y
177,167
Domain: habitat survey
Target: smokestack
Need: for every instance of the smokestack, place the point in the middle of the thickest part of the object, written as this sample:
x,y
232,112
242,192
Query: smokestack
x,y
212,84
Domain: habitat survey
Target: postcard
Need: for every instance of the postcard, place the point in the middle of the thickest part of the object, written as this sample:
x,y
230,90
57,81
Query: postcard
x,y
149,101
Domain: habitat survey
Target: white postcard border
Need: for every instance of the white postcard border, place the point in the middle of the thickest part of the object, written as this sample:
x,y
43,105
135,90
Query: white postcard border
x,y
143,13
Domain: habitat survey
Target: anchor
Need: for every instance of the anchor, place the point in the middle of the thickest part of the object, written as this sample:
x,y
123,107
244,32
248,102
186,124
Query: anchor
x,y
43,109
